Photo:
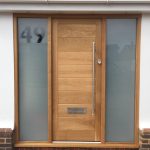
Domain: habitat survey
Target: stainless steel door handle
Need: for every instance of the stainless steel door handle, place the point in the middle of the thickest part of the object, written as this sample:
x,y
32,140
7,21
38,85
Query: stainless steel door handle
x,y
93,80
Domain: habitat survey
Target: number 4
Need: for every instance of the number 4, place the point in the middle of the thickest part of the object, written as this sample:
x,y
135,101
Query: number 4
x,y
26,33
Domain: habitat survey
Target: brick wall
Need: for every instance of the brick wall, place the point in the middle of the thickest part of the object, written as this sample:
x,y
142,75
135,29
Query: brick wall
x,y
6,140
145,139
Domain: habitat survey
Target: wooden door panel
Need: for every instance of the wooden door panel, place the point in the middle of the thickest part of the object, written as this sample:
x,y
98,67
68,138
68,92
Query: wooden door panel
x,y
73,135
75,84
75,58
76,123
73,116
65,71
68,29
74,97
75,44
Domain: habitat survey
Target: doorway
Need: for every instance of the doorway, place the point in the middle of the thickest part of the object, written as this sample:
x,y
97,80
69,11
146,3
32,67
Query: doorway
x,y
76,79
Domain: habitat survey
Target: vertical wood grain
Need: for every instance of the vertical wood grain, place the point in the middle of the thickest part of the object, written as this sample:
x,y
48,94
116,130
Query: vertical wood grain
x,y
54,75
103,78
98,90
49,82
16,80
137,80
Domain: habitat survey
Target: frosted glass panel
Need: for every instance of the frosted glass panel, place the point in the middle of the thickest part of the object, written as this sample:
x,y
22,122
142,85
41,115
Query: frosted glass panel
x,y
120,80
33,95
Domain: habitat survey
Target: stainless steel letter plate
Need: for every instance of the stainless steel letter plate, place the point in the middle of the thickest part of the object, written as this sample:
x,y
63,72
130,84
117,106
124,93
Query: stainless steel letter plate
x,y
76,110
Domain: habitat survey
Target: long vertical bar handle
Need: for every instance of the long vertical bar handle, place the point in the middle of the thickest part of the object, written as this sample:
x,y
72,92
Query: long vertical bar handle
x,y
93,80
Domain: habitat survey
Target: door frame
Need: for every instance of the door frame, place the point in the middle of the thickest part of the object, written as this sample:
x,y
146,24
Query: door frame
x,y
103,143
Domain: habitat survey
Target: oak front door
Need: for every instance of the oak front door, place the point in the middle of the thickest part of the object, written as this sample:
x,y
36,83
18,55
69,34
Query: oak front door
x,y
76,79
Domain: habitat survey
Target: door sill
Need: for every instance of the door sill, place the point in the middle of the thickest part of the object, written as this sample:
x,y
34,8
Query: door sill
x,y
76,142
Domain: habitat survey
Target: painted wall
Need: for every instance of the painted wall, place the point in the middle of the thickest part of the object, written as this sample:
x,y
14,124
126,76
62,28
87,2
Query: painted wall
x,y
7,72
145,73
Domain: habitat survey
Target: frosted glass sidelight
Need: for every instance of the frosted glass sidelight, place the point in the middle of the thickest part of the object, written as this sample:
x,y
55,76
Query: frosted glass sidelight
x,y
120,80
33,87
